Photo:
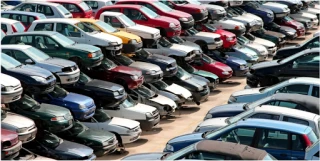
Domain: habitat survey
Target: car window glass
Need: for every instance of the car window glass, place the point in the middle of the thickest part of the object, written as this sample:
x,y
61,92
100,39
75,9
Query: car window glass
x,y
20,56
5,15
113,10
4,28
133,14
287,104
26,7
314,43
265,116
239,135
92,4
40,43
315,91
307,61
296,88
297,144
113,21
68,30
46,10
24,40
72,7
148,6
86,28
295,120
44,27
316,155
273,139
167,3
196,155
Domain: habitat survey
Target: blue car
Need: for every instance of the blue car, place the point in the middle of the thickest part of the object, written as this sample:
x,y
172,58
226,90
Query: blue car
x,y
283,140
254,8
81,107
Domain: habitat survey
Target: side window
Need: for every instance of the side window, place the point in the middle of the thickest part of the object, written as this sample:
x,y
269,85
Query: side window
x,y
133,14
287,104
316,155
72,7
167,3
4,28
27,40
27,7
307,61
296,88
297,144
44,27
5,15
265,116
113,21
315,91
271,139
68,30
20,56
197,155
50,43
148,6
294,120
315,43
46,10
239,135
40,43
92,4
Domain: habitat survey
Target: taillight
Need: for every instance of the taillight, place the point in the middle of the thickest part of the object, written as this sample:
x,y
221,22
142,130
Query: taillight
x,y
306,140
37,18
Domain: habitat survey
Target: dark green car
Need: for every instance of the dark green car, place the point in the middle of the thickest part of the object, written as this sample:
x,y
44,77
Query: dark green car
x,y
58,45
47,117
101,142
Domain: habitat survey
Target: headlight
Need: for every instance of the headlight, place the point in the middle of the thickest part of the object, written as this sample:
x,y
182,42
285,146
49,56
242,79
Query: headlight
x,y
269,14
59,118
113,43
149,116
134,77
116,93
183,19
172,25
82,106
229,38
39,79
242,67
232,99
225,73
151,72
21,130
91,55
169,147
133,41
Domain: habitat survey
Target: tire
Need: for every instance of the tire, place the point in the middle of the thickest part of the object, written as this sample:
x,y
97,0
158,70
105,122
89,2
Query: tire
x,y
118,138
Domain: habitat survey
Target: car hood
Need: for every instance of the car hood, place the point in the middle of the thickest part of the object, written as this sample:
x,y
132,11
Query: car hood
x,y
143,108
203,73
104,85
264,42
106,37
243,19
227,107
276,7
78,99
130,124
145,66
160,59
214,7
101,136
164,101
84,47
257,47
53,109
221,66
246,92
277,34
167,19
187,137
312,10
230,22
58,62
176,13
237,60
265,64
303,15
195,82
127,35
31,70
288,29
127,70
144,156
215,122
7,80
74,148
247,51
17,120
183,48
208,35
179,90
143,28
192,44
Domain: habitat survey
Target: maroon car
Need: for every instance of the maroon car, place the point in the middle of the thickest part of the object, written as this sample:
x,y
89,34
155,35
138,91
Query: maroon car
x,y
108,71
10,144
198,12
289,22
186,20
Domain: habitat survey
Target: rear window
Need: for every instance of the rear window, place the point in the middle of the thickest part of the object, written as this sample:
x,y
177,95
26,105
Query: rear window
x,y
84,6
19,27
63,10
313,137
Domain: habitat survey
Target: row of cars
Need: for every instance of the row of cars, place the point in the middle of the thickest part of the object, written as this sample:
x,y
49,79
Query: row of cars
x,y
156,62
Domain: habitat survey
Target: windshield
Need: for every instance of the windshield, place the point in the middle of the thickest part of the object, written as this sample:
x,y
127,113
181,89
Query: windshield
x,y
287,19
196,2
129,102
189,68
26,103
143,53
63,10
8,62
59,92
238,117
127,21
83,78
179,2
101,116
108,64
144,91
87,28
276,86
149,12
162,6
50,140
183,74
207,59
176,39
181,153
36,54
19,27
164,42
287,59
243,39
78,128
124,60
106,27
63,40
84,6
161,85
191,32
257,103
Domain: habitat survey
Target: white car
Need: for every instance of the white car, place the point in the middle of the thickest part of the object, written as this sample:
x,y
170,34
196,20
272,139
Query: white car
x,y
97,4
214,11
5,6
11,89
265,112
80,32
305,15
312,152
9,26
261,50
245,14
50,10
120,21
147,116
271,47
126,131
250,23
224,23
24,126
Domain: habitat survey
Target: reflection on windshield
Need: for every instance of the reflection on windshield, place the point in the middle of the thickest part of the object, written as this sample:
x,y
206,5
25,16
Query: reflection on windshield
x,y
129,102
143,53
63,40
59,92
27,103
108,28
108,64
161,85
164,42
182,74
149,12
144,91
127,21
87,28
207,59
50,140
162,6
83,78
78,128
36,54
8,62
243,39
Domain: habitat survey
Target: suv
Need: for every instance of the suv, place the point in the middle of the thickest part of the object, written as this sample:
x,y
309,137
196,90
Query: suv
x,y
9,26
78,8
26,18
144,16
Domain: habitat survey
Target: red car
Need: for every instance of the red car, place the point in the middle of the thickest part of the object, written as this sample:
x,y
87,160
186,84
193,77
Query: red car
x,y
10,144
144,16
78,8
198,12
186,20
287,21
229,39
108,71
223,71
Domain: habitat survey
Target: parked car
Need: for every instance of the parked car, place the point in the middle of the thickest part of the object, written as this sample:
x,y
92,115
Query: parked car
x,y
25,127
293,101
149,35
279,10
292,50
108,71
254,7
33,79
5,6
102,142
9,26
26,18
294,6
241,12
199,88
271,47
65,71
264,112
80,106
278,38
10,144
312,152
142,94
208,150
225,23
2,34
186,20
239,66
46,116
77,8
95,5
301,85
261,51
50,42
250,23
52,146
302,64
314,11
306,18
144,16
125,130
184,42
198,12
11,89
214,11
131,42
25,154
80,32
222,3
274,137
287,21
289,32
146,115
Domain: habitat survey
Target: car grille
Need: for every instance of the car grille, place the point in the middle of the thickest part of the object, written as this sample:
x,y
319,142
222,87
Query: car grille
x,y
217,39
50,77
155,112
69,69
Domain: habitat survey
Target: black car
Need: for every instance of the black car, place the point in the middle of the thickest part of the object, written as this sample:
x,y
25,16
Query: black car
x,y
33,79
288,51
168,65
278,38
288,31
294,6
50,145
104,94
302,64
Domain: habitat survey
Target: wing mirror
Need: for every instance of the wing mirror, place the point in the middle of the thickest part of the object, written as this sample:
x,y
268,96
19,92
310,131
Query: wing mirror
x,y
56,46
29,61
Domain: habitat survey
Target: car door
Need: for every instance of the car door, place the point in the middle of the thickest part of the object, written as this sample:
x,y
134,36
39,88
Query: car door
x,y
305,65
46,10
138,17
71,32
49,46
241,135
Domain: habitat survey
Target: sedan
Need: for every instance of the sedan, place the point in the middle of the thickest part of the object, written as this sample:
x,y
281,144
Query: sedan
x,y
288,31
10,144
261,50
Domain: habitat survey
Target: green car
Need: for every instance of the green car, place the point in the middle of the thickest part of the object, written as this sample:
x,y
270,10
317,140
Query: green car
x,y
58,45
47,117
101,142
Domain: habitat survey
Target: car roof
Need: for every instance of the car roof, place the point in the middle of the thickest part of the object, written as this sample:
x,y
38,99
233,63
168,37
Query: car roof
x,y
42,2
15,46
48,33
124,6
109,13
274,124
7,20
60,20
64,1
138,0
307,80
244,152
23,13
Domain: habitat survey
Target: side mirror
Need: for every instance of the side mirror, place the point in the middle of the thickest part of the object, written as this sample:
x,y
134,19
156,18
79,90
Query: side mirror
x,y
143,18
29,61
56,46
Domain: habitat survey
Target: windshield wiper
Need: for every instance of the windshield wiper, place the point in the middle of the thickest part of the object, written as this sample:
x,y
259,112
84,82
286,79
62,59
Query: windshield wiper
x,y
19,66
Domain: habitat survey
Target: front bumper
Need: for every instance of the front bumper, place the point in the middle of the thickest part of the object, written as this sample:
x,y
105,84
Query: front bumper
x,y
136,83
200,16
11,152
40,89
199,96
148,78
84,114
272,51
70,77
187,24
281,15
7,97
252,80
147,125
131,47
215,45
28,136
129,138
